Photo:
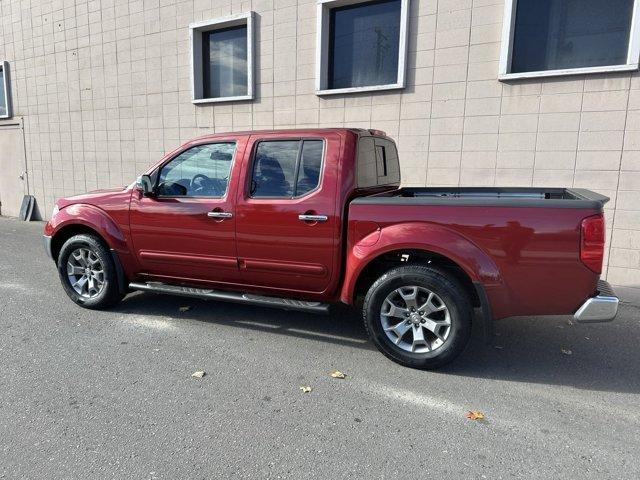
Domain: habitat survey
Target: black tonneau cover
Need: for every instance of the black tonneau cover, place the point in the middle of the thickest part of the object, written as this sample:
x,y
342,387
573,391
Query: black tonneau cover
x,y
491,196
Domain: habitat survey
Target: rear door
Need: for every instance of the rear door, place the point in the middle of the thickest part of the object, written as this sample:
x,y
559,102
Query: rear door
x,y
187,230
287,223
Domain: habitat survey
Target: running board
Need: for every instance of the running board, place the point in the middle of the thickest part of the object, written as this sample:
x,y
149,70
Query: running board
x,y
246,298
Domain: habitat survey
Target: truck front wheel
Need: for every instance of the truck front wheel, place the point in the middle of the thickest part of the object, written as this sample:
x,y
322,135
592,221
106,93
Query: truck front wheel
x,y
88,273
418,316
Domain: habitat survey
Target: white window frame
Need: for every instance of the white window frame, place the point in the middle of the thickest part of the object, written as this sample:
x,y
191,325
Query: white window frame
x,y
508,28
6,85
196,31
322,49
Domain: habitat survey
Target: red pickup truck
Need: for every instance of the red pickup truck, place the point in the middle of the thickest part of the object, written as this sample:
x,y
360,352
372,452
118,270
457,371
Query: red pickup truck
x,y
302,219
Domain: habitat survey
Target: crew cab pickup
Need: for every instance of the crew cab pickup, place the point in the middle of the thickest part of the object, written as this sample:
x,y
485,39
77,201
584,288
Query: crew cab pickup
x,y
302,219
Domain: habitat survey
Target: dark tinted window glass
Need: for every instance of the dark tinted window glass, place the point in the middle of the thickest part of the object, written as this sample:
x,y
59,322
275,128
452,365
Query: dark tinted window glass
x,y
557,34
367,167
310,163
201,171
276,163
274,169
388,164
363,44
378,162
225,62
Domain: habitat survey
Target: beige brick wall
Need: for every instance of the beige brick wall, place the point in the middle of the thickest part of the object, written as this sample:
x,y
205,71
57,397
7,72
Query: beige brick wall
x,y
103,88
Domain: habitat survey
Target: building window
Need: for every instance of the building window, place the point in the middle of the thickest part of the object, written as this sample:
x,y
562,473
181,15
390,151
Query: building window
x,y
563,37
361,46
222,59
5,91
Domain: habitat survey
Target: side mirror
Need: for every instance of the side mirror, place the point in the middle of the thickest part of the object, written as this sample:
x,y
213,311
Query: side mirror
x,y
144,185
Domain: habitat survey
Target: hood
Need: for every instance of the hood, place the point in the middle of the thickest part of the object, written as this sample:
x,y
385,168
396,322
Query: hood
x,y
96,197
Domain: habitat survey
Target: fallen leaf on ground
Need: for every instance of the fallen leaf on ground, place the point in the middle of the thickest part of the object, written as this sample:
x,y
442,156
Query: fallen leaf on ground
x,y
198,374
337,374
184,309
474,415
306,389
567,351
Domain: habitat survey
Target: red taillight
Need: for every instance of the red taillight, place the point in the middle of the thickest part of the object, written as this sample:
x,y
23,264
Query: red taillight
x,y
592,242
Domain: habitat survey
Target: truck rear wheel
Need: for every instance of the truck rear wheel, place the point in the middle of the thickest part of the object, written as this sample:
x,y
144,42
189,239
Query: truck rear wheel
x,y
88,273
418,316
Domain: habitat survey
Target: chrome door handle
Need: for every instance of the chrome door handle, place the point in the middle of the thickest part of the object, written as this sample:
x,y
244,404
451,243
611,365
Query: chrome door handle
x,y
219,214
313,218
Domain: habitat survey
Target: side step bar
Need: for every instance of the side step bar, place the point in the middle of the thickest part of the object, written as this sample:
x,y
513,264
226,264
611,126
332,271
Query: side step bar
x,y
246,298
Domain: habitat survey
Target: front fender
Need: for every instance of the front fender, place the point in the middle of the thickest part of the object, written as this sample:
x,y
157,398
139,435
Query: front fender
x,y
92,217
419,236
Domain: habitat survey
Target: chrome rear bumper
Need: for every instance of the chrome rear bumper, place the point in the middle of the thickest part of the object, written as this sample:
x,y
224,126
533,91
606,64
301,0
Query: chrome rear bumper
x,y
601,308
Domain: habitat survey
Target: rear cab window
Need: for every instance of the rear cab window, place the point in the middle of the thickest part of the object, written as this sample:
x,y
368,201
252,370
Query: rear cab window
x,y
286,168
377,162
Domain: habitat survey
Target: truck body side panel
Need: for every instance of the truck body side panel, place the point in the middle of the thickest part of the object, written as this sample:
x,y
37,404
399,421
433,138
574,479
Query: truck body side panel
x,y
535,251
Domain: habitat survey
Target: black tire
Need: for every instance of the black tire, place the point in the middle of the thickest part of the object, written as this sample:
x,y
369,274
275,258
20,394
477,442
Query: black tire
x,y
110,294
445,286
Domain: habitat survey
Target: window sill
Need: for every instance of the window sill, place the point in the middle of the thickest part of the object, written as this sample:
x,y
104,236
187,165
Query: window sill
x,y
222,99
369,88
505,77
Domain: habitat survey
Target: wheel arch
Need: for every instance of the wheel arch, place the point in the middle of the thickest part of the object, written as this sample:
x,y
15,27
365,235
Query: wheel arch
x,y
73,229
384,262
394,258
84,218
424,243
427,242
68,231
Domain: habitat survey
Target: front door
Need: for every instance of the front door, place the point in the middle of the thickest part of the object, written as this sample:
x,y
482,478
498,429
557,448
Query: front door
x,y
287,228
186,231
12,167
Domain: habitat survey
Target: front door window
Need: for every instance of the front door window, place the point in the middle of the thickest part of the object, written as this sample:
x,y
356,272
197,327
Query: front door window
x,y
201,171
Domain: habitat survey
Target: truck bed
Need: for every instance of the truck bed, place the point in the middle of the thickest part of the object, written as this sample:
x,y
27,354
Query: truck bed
x,y
490,196
529,256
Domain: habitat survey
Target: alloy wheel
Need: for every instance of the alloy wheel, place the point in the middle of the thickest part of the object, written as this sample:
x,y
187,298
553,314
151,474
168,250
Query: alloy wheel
x,y
85,272
415,319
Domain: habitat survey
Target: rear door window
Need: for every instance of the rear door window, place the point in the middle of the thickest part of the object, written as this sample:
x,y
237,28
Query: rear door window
x,y
286,168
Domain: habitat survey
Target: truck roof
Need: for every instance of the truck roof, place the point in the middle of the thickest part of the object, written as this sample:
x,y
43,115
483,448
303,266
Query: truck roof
x,y
293,131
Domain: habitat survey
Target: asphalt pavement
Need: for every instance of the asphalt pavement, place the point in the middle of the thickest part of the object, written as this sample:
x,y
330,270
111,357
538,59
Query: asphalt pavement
x,y
109,394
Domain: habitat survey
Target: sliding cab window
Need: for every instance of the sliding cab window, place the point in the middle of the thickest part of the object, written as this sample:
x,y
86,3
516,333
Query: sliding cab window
x,y
286,168
201,171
